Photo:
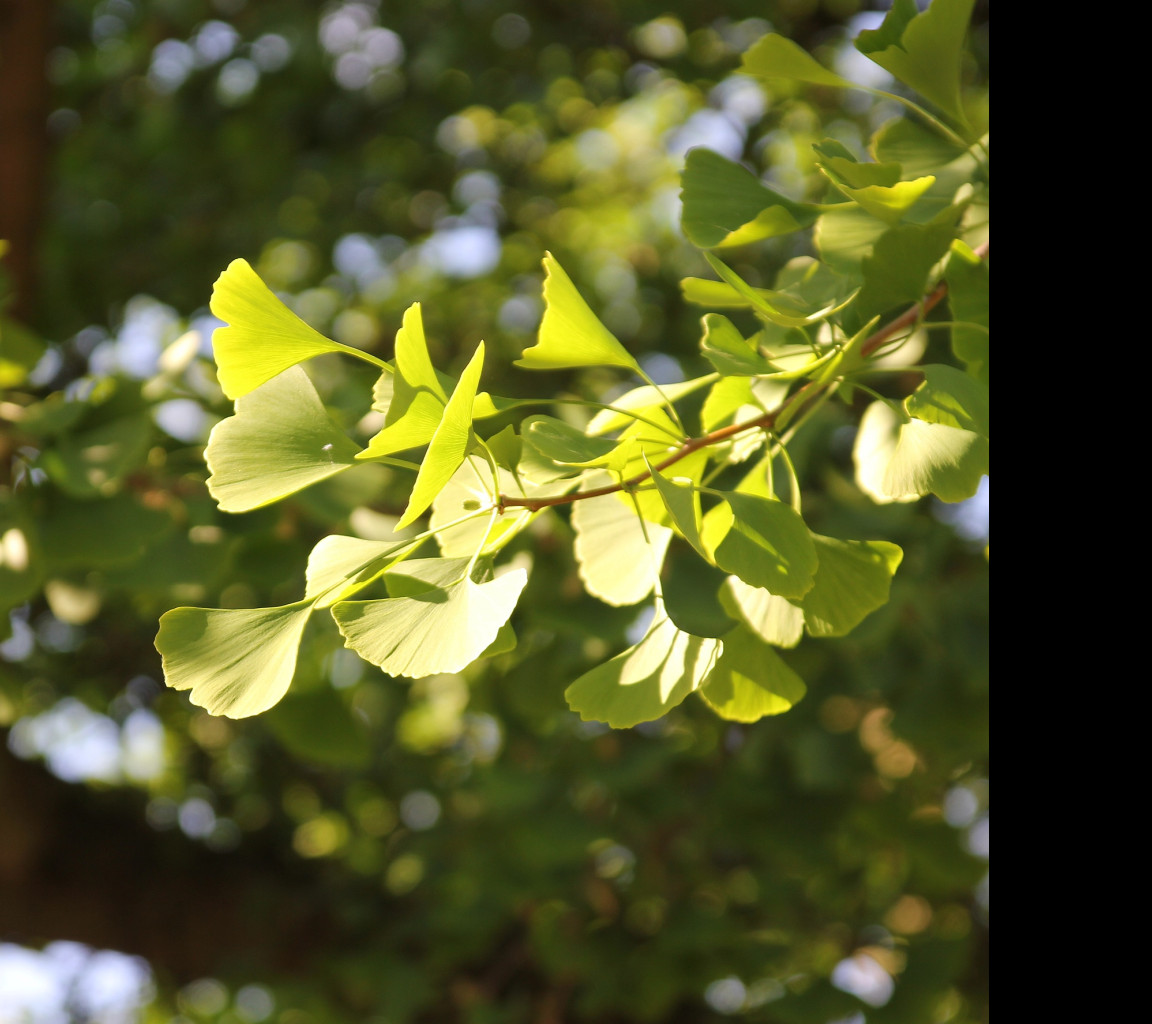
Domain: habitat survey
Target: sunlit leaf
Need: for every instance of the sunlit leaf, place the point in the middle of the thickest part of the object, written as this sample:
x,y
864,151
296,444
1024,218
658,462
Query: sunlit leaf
x,y
339,566
449,445
750,680
640,399
902,460
570,335
440,620
727,350
923,50
280,440
682,500
561,442
853,580
721,198
263,337
647,680
777,306
762,541
618,556
776,620
951,397
876,187
774,56
236,661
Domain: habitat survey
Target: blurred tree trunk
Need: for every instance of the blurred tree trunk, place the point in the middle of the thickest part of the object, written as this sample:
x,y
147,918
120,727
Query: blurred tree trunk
x,y
25,37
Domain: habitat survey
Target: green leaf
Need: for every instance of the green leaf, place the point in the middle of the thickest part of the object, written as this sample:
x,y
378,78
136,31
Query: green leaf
x,y
438,621
967,277
726,349
776,620
726,204
280,441
449,445
563,443
640,400
682,500
897,270
236,661
469,494
570,335
690,589
647,680
951,397
263,337
876,187
776,306
845,236
774,56
902,460
763,541
618,556
924,51
750,680
416,397
915,147
853,580
339,566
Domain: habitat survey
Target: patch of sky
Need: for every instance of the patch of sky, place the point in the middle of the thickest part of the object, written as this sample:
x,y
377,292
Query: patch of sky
x,y
462,250
968,518
864,978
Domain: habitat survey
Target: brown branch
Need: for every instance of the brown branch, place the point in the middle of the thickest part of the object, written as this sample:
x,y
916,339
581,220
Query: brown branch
x,y
765,422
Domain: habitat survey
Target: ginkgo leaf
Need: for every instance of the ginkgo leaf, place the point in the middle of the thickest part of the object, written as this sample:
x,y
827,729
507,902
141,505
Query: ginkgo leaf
x,y
967,277
339,566
683,503
726,204
640,399
774,56
750,680
236,661
618,556
776,620
441,620
561,442
570,334
903,459
727,349
923,50
951,397
763,541
647,680
263,337
777,306
449,445
876,187
853,580
279,441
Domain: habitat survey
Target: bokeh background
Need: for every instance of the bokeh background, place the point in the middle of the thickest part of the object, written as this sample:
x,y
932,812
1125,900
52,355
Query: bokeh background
x,y
462,848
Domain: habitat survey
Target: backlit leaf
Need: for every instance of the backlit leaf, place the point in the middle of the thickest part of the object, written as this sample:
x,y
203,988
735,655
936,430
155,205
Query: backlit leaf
x,y
750,680
967,277
236,661
853,580
951,397
339,566
774,56
449,445
776,620
647,680
618,556
279,441
263,337
763,541
570,334
442,622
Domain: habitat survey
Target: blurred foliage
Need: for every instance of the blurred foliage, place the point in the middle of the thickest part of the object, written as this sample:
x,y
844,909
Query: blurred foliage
x,y
479,854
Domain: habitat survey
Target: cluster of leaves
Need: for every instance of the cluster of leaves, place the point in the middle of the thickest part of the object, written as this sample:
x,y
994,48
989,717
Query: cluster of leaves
x,y
892,236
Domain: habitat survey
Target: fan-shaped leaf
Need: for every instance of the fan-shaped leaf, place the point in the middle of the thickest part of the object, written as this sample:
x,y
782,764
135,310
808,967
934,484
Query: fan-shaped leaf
x,y
750,680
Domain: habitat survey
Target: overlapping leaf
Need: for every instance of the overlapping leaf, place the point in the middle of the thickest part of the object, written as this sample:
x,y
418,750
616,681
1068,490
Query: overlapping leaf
x,y
852,581
279,441
263,337
237,661
647,680
438,619
750,680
